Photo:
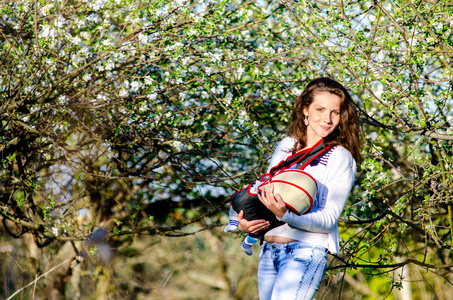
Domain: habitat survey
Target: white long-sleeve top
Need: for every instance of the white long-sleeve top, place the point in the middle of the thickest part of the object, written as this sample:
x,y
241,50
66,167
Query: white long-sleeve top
x,y
335,174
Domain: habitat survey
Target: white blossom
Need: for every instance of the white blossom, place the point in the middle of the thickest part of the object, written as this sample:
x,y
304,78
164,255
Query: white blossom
x,y
217,90
243,117
214,57
183,95
107,43
85,51
123,110
163,11
229,98
94,18
109,66
178,145
143,108
55,231
60,21
185,60
152,96
188,122
101,97
86,35
240,71
123,93
155,36
142,38
86,77
62,99
47,32
135,86
80,23
99,4
381,56
439,26
208,71
46,9
148,80
76,40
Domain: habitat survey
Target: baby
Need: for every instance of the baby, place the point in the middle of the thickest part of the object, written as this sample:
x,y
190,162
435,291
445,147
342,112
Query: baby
x,y
233,224
298,189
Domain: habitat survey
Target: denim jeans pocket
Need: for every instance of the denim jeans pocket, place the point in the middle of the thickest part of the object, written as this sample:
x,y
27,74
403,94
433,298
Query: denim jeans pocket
x,y
303,254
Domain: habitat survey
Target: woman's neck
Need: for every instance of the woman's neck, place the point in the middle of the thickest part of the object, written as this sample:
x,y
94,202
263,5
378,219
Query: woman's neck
x,y
310,142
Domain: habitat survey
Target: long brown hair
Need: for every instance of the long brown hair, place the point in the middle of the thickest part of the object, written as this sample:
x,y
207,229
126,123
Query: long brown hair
x,y
347,133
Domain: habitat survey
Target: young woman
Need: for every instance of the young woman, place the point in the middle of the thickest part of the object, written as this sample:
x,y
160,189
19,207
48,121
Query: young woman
x,y
293,256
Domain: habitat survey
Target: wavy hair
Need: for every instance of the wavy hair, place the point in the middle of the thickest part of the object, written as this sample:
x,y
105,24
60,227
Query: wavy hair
x,y
347,133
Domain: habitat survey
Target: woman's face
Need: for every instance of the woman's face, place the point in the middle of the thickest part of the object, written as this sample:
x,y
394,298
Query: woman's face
x,y
323,115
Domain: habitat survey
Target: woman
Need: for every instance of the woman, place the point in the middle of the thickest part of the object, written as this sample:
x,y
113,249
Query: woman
x,y
293,256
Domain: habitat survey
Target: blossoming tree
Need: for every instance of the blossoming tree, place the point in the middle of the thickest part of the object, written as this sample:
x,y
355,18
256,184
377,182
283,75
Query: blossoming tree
x,y
132,118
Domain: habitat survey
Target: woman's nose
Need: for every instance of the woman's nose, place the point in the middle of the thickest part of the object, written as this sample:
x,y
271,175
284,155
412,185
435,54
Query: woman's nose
x,y
328,118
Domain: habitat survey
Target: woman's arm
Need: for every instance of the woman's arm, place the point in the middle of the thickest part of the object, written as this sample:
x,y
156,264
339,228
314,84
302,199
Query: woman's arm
x,y
338,184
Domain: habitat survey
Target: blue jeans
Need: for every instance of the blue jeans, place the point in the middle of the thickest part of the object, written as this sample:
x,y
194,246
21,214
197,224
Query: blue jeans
x,y
290,271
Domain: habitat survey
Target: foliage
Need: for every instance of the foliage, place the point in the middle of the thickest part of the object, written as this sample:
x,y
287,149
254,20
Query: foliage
x,y
142,117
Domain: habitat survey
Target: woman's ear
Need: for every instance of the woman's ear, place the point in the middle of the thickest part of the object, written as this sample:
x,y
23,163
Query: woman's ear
x,y
305,112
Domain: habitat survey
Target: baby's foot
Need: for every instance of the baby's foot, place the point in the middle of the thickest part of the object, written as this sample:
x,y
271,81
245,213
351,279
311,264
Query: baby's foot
x,y
232,226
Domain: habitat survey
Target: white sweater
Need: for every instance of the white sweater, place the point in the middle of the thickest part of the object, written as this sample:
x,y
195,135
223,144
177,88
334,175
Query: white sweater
x,y
335,174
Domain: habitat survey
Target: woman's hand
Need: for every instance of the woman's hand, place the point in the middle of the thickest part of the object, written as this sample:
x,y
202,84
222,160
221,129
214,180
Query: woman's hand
x,y
251,226
273,202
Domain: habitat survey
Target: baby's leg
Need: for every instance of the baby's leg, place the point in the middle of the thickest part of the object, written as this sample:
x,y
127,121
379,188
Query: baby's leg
x,y
247,244
233,223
